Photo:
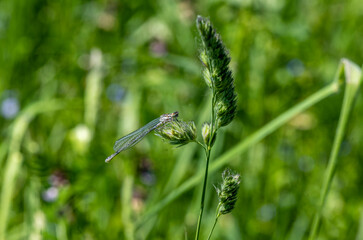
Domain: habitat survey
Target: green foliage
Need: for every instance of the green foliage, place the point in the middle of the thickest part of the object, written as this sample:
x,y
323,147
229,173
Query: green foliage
x,y
84,73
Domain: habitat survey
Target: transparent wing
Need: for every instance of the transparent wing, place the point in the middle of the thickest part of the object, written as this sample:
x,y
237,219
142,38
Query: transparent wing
x,y
133,138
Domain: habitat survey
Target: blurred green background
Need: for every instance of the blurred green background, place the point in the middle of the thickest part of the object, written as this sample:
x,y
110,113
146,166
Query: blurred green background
x,y
77,75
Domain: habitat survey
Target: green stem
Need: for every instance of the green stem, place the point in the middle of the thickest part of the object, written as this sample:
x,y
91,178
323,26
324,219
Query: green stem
x,y
214,225
208,151
353,78
201,144
203,194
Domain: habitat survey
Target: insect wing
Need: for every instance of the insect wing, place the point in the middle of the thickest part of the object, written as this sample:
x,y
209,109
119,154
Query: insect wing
x,y
133,138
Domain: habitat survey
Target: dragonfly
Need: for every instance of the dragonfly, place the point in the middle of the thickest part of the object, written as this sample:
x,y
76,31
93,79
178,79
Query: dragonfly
x,y
136,136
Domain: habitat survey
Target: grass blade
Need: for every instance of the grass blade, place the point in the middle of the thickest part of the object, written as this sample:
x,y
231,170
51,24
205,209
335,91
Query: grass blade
x,y
353,79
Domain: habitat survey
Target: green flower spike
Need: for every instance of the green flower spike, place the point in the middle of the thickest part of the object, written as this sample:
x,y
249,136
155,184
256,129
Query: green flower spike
x,y
227,193
217,75
206,134
178,132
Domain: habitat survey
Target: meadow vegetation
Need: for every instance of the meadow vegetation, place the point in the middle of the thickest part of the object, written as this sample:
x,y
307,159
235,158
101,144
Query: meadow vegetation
x,y
77,75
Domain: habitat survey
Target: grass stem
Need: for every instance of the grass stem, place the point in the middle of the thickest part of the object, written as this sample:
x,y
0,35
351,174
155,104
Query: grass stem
x,y
352,79
214,225
203,195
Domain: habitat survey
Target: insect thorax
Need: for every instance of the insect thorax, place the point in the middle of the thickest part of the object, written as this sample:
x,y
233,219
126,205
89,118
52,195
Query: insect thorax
x,y
168,117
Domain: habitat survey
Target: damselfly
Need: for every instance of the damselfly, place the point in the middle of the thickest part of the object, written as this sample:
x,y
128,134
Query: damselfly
x,y
133,138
